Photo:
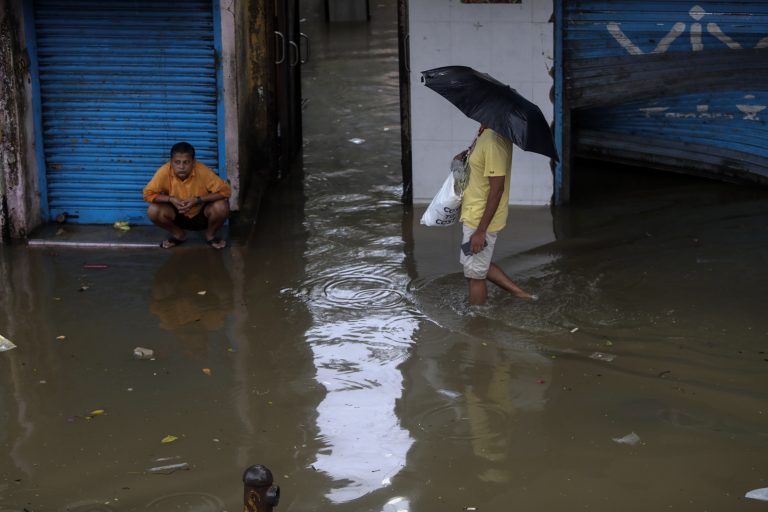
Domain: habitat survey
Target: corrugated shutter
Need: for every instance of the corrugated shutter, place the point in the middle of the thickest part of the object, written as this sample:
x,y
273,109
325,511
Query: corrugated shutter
x,y
120,82
680,85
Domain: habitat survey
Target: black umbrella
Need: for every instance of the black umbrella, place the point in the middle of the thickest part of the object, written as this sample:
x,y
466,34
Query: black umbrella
x,y
494,104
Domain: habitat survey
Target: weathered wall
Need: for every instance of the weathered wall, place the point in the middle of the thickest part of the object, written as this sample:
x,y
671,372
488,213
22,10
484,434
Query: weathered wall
x,y
256,98
512,42
17,204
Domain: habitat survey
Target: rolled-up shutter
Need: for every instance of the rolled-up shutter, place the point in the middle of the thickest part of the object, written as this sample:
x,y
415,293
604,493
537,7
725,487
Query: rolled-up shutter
x,y
120,83
671,84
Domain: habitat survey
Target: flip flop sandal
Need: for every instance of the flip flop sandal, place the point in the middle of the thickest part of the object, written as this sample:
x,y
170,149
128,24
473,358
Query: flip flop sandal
x,y
215,240
171,242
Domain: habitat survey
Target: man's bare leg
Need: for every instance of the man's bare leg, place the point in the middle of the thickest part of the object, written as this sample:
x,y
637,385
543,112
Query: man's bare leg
x,y
216,212
162,216
502,280
478,291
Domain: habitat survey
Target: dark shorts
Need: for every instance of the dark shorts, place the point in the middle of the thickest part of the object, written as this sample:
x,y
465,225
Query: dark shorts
x,y
197,223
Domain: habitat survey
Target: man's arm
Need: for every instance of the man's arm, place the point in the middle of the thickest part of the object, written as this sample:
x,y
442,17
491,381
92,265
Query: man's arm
x,y
209,198
156,190
477,240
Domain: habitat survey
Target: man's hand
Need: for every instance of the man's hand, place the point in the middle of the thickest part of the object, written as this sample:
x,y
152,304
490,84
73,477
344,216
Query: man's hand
x,y
182,205
477,242
461,155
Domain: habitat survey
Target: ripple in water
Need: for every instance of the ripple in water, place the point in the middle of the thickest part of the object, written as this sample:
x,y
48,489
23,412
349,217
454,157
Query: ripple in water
x,y
192,501
86,506
356,289
456,421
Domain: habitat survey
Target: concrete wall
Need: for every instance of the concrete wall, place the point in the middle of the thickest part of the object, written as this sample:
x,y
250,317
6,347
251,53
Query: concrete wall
x,y
512,42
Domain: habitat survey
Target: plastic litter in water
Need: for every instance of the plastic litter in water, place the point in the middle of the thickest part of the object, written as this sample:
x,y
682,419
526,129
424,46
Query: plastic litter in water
x,y
170,468
758,494
143,353
5,344
630,439
600,356
355,140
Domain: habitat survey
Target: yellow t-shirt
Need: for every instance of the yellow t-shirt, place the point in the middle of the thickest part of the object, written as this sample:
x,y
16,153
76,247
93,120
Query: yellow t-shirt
x,y
492,156
200,182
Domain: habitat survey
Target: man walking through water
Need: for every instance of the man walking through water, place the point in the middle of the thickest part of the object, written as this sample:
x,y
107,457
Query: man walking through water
x,y
484,210
185,194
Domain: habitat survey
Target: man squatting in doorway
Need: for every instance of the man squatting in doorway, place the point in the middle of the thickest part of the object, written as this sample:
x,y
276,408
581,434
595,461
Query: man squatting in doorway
x,y
185,194
484,210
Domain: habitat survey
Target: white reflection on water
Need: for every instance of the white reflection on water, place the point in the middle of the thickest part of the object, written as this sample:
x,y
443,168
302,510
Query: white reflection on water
x,y
357,362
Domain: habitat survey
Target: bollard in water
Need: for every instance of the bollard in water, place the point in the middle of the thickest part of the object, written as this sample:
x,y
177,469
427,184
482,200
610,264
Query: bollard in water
x,y
259,495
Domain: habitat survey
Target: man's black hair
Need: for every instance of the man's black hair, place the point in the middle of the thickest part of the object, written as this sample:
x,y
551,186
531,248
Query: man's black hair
x,y
183,147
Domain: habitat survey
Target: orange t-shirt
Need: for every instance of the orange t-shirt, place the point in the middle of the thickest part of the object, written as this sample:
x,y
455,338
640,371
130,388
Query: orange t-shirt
x,y
200,182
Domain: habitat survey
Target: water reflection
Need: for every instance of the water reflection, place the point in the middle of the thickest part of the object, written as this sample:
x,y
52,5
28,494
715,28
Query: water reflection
x,y
192,295
361,332
357,362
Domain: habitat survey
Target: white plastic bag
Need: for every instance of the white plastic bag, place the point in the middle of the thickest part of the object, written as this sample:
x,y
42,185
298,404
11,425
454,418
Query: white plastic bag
x,y
5,344
758,494
445,207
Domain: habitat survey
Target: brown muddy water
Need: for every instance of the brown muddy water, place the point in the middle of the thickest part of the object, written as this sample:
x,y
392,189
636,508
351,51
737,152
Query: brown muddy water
x,y
333,343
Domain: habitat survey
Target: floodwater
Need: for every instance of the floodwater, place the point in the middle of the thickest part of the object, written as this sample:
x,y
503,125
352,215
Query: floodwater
x,y
332,343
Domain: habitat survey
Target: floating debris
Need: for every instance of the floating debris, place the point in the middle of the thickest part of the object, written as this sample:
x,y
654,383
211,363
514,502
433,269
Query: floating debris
x,y
356,140
600,356
630,439
94,413
6,344
143,353
758,494
207,371
170,468
168,439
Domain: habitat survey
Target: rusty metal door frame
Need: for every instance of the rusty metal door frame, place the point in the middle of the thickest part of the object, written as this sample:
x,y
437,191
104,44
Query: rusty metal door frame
x,y
288,62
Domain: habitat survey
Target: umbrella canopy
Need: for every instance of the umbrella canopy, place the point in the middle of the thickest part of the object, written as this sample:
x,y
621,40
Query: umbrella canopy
x,y
494,104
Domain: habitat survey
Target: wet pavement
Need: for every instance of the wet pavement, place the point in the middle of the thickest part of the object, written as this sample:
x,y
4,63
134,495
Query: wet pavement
x,y
332,343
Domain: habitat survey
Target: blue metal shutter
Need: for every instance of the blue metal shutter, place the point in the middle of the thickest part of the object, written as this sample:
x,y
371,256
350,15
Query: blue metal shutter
x,y
673,84
120,83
